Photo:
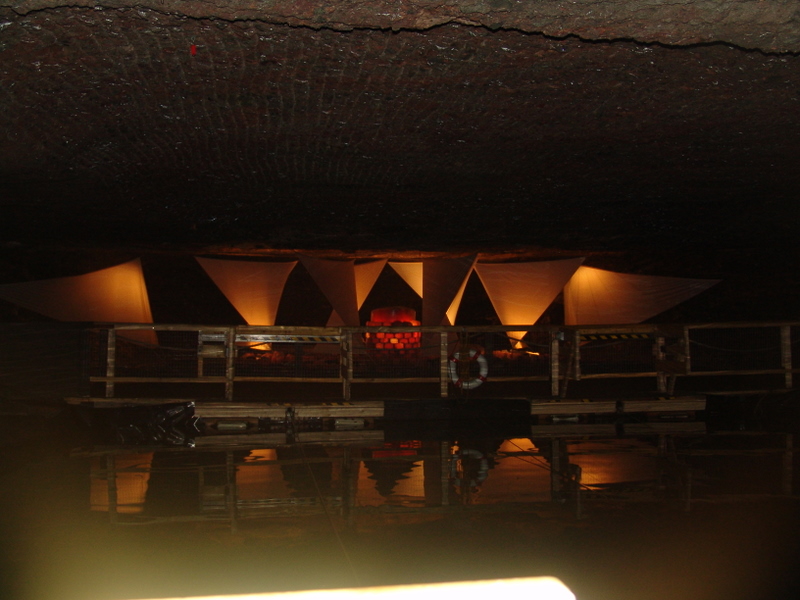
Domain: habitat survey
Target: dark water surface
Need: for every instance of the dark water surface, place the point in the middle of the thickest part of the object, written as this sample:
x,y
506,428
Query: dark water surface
x,y
647,511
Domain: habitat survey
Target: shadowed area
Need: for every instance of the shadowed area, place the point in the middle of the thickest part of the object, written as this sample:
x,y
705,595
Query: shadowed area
x,y
356,126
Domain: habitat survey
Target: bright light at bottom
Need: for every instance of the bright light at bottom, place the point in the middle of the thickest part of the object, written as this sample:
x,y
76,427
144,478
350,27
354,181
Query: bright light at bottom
x,y
531,588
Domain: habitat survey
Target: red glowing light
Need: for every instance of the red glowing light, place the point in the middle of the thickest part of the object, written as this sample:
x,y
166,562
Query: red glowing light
x,y
402,342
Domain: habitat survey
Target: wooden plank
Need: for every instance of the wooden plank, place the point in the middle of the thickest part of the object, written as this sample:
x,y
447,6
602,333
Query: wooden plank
x,y
366,435
396,380
215,379
571,407
118,402
334,379
612,429
304,412
227,410
360,409
666,405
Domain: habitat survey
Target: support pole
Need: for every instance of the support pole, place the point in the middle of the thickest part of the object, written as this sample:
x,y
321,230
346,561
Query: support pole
x,y
347,363
111,361
554,364
661,376
230,362
444,359
786,355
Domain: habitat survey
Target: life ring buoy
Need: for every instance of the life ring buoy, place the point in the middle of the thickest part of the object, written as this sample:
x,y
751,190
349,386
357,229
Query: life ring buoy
x,y
470,383
480,474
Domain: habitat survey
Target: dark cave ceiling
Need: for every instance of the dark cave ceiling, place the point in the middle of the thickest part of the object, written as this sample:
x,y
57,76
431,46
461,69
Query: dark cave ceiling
x,y
584,125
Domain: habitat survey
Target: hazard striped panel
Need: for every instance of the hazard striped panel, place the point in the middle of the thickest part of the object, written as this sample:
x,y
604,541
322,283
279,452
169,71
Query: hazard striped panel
x,y
615,336
273,337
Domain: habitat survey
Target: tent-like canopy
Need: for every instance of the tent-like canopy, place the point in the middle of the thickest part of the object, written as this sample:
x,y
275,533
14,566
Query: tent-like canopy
x,y
345,284
254,288
113,295
440,282
521,292
598,297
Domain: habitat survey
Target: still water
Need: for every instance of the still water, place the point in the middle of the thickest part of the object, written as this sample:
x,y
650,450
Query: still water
x,y
635,511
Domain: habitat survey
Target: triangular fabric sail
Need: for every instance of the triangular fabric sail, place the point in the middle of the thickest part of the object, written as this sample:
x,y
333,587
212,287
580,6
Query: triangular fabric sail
x,y
253,288
114,295
443,283
411,273
598,297
521,292
337,280
366,276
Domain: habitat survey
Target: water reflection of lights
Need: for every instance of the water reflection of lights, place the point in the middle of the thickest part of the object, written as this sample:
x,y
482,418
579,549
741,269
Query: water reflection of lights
x,y
132,478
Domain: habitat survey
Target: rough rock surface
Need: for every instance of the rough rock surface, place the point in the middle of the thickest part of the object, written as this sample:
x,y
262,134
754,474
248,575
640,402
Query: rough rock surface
x,y
664,132
768,25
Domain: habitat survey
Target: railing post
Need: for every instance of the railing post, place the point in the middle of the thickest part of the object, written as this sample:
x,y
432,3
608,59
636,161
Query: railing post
x,y
111,361
687,349
200,367
230,362
660,356
786,355
555,371
346,351
444,363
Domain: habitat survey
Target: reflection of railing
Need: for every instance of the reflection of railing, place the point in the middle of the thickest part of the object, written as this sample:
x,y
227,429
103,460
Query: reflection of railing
x,y
190,354
673,462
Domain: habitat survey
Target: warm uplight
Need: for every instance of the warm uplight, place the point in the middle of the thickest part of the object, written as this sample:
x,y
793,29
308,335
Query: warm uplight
x,y
533,588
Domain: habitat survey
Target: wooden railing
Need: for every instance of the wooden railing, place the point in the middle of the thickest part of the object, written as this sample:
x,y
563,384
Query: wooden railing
x,y
161,354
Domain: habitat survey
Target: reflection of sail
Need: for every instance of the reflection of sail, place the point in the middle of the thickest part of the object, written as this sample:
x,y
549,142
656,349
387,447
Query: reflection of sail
x,y
387,473
130,473
307,477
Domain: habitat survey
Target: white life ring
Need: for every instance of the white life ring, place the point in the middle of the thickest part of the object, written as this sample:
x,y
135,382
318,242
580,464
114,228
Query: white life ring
x,y
483,467
472,382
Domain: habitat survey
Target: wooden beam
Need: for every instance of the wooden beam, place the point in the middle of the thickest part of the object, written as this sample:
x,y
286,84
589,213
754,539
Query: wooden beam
x,y
578,407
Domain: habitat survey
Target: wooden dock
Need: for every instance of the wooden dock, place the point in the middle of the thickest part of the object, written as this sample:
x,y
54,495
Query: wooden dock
x,y
374,409
621,406
245,410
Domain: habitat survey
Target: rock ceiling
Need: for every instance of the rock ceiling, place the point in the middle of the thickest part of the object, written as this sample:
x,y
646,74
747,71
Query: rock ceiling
x,y
481,124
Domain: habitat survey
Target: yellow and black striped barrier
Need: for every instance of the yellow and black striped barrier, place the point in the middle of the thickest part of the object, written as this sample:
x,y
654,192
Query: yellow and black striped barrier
x,y
613,337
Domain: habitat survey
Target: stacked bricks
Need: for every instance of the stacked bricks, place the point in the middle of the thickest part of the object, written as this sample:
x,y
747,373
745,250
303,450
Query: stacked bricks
x,y
399,343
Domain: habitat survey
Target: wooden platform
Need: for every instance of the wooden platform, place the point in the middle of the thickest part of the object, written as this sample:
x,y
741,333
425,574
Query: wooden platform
x,y
375,408
247,410
605,430
633,405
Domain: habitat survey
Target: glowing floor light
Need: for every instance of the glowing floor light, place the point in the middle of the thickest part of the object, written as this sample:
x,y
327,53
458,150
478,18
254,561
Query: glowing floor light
x,y
530,588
